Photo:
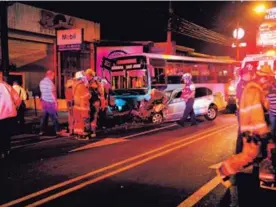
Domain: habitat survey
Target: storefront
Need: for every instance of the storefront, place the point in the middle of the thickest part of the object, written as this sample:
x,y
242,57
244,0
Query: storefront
x,y
33,45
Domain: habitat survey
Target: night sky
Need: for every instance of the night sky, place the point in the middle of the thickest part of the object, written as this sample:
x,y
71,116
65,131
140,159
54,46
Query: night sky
x,y
147,21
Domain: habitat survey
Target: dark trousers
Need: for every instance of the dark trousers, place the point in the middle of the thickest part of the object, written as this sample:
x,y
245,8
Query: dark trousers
x,y
6,133
20,117
189,112
49,110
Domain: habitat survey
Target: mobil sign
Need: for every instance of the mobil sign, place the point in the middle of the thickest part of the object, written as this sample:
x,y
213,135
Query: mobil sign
x,y
69,37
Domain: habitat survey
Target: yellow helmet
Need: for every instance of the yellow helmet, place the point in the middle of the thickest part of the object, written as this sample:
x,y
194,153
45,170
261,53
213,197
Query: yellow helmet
x,y
265,70
90,72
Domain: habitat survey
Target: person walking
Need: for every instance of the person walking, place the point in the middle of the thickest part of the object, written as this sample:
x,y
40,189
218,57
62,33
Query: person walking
x,y
9,102
188,94
49,103
23,96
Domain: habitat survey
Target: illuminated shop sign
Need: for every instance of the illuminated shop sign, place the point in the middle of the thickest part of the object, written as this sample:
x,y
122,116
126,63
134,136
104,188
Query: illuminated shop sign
x,y
266,35
271,13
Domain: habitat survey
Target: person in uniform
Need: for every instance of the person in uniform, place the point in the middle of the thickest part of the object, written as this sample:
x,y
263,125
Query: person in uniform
x,y
188,94
81,107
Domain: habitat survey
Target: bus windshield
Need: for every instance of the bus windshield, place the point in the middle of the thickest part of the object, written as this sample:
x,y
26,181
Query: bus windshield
x,y
129,75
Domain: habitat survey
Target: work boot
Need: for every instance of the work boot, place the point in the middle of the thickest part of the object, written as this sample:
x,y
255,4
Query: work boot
x,y
267,171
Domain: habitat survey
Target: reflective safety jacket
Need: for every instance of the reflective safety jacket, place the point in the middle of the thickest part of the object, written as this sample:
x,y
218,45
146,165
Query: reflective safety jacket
x,y
81,97
252,105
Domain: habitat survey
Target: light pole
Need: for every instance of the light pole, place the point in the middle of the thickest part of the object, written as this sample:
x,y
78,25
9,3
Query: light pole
x,y
238,34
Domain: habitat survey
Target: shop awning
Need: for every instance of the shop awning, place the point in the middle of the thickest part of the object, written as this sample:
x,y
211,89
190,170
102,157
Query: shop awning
x,y
23,52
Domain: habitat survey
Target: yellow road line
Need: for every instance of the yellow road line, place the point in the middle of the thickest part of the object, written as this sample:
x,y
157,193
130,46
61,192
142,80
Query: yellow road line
x,y
102,177
200,193
104,142
59,185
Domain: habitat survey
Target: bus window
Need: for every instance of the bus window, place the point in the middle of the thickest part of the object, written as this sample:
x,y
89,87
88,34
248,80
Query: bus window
x,y
118,80
159,77
137,79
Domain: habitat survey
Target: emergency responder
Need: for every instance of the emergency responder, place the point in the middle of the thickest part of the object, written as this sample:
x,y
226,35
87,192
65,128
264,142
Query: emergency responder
x,y
252,122
96,94
104,102
188,94
81,107
244,75
69,102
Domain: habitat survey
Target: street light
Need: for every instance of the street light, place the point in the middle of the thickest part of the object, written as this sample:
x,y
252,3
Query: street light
x,y
260,9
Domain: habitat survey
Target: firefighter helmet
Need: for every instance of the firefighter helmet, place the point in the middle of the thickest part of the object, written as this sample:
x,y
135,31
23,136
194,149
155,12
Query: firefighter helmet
x,y
265,71
90,72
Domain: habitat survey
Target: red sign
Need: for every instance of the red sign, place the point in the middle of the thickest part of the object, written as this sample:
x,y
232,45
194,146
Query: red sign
x,y
126,61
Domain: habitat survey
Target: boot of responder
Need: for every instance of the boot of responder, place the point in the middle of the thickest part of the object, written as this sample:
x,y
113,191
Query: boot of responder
x,y
236,163
267,168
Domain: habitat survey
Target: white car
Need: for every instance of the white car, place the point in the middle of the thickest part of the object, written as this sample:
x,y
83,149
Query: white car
x,y
203,105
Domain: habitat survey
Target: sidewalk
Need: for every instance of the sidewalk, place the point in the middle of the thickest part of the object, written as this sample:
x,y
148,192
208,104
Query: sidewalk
x,y
32,124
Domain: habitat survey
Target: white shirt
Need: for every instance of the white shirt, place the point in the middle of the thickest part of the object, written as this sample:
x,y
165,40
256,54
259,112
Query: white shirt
x,y
9,101
48,90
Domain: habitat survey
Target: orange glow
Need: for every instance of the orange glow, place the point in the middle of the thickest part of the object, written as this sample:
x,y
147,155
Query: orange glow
x,y
271,53
260,9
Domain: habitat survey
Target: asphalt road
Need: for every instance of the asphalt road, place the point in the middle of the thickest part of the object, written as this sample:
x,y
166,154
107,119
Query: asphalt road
x,y
153,166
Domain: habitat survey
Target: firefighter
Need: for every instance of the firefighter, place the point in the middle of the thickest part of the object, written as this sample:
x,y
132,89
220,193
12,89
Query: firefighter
x,y
95,91
254,129
69,101
188,94
103,101
81,107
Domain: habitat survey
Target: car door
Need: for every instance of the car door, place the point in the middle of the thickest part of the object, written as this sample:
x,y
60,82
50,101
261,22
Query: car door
x,y
203,98
176,106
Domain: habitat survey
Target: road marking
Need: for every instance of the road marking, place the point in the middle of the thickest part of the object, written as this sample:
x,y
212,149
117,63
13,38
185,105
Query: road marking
x,y
149,131
215,166
104,142
73,180
132,165
200,193
121,139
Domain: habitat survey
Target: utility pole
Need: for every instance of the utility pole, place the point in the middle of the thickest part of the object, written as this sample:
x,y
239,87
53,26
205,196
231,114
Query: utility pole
x,y
4,39
237,42
169,28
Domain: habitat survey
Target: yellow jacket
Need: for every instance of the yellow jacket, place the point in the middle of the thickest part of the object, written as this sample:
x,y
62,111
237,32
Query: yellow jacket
x,y
252,104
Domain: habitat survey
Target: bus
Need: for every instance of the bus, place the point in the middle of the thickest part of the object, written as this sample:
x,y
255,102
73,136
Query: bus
x,y
136,74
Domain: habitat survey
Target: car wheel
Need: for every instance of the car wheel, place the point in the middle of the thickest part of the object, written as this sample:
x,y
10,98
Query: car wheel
x,y
157,118
212,113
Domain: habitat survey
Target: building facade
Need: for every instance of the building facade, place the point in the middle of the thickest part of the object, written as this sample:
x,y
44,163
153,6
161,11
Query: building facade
x,y
33,47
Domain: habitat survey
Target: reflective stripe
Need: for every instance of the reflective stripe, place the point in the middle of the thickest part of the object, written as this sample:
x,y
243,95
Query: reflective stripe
x,y
249,108
229,169
82,108
86,95
252,127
